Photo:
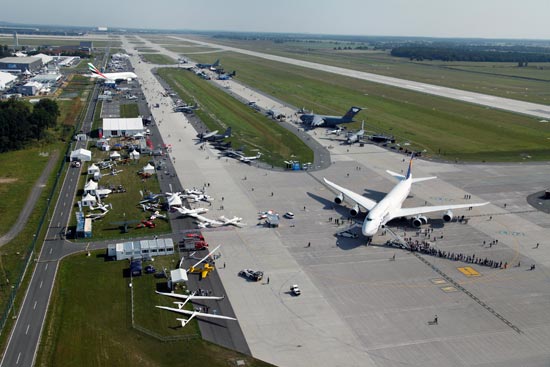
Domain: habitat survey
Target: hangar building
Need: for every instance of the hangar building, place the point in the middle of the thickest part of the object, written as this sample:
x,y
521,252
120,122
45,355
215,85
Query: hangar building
x,y
113,127
6,80
20,64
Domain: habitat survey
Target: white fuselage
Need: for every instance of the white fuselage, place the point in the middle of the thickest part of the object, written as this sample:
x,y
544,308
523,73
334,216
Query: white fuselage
x,y
117,76
383,211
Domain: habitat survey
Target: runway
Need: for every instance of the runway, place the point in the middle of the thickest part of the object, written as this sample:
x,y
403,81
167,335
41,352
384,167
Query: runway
x,y
512,105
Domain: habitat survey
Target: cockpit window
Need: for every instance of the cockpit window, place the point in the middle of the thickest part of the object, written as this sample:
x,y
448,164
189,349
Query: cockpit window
x,y
369,219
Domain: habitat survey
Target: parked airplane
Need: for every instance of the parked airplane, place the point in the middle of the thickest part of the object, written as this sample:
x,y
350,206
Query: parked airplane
x,y
390,206
209,66
214,136
127,75
329,121
336,131
222,221
194,314
357,136
249,159
227,76
190,212
188,298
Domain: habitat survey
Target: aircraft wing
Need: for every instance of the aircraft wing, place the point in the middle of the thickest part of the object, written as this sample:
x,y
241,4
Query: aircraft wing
x,y
359,199
204,219
195,313
317,120
183,296
406,212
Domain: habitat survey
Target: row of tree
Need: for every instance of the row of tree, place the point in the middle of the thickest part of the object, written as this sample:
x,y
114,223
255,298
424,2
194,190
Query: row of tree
x,y
492,54
4,51
21,123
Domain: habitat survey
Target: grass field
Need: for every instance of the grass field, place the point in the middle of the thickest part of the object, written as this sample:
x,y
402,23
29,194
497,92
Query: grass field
x,y
443,127
189,49
218,110
124,205
499,79
89,322
129,110
158,59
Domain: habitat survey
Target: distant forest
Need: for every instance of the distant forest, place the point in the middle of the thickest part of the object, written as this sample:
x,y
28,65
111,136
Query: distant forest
x,y
520,54
4,51
21,123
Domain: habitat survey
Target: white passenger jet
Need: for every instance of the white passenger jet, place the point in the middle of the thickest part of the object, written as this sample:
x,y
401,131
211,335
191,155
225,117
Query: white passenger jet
x,y
127,75
390,206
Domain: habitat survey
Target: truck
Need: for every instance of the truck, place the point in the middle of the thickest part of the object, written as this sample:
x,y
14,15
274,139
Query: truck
x,y
193,242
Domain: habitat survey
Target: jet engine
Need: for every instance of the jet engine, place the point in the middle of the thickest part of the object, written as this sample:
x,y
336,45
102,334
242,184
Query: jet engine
x,y
339,199
354,211
448,216
418,221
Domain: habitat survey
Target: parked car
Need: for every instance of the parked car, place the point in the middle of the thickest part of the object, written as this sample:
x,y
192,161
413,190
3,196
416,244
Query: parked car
x,y
295,290
149,269
254,275
289,215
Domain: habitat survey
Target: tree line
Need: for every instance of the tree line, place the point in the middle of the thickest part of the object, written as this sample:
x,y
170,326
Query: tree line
x,y
21,123
521,54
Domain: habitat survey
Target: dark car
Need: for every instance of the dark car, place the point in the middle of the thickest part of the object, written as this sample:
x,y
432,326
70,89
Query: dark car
x,y
149,269
254,275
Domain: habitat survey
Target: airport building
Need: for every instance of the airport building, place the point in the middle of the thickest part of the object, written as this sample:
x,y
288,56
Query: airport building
x,y
144,249
30,88
114,127
19,65
6,80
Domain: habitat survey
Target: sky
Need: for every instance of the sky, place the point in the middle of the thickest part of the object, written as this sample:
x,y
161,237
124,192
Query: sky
x,y
428,18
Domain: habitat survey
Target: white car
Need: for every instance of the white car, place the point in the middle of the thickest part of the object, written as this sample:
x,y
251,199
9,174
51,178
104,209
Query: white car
x,y
295,290
289,215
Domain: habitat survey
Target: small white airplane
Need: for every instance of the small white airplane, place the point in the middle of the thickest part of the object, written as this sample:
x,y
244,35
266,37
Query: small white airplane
x,y
335,131
95,216
194,314
390,206
195,198
357,136
189,212
235,221
156,215
188,298
249,159
103,207
110,76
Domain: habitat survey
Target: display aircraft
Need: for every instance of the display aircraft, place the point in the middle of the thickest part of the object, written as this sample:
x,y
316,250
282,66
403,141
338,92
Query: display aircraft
x,y
214,136
249,159
207,268
102,207
127,75
357,136
188,298
314,120
336,131
209,66
197,197
222,221
227,76
222,146
194,314
390,207
190,212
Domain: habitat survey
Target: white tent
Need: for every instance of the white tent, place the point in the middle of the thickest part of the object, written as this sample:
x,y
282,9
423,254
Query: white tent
x,y
93,169
134,154
81,154
178,276
149,169
115,155
90,187
89,200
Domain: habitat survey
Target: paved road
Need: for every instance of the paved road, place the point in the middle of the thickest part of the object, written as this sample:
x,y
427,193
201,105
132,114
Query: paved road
x,y
31,201
25,336
512,105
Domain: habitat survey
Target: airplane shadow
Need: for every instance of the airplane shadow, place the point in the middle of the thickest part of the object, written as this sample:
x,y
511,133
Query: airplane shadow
x,y
374,194
330,205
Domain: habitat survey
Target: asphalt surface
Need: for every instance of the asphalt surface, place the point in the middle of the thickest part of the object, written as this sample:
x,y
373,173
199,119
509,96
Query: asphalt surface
x,y
31,201
527,108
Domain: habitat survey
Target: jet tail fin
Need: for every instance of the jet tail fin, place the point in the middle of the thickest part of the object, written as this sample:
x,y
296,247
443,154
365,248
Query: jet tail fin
x,y
216,63
352,112
228,132
95,70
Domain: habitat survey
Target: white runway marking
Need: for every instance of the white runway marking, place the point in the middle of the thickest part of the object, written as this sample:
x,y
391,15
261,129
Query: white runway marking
x,y
18,356
34,307
27,331
41,284
46,267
